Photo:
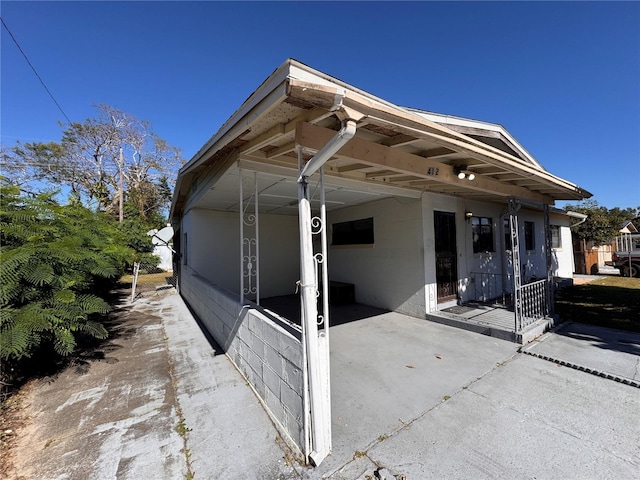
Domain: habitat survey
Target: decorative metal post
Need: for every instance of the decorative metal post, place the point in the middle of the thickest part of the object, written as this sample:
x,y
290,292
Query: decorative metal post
x,y
549,260
514,206
316,344
249,244
324,320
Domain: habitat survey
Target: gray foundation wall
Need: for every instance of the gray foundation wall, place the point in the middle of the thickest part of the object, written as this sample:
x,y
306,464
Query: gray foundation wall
x,y
267,351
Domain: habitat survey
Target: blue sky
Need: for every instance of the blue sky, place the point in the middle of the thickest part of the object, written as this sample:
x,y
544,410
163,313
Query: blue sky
x,y
562,78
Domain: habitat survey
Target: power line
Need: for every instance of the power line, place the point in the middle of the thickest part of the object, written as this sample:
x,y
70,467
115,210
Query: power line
x,y
34,69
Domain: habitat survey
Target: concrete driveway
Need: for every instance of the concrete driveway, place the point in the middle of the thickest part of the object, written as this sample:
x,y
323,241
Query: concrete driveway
x,y
606,352
410,398
424,400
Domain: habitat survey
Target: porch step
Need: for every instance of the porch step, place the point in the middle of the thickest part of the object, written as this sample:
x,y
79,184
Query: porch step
x,y
459,322
529,334
536,329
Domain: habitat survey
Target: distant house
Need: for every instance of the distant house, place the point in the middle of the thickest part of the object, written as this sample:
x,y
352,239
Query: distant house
x,y
629,239
317,187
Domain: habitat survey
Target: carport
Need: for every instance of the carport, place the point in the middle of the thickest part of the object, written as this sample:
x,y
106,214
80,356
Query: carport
x,y
307,155
388,369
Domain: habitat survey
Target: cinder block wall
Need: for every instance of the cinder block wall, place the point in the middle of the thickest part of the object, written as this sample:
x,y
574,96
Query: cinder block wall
x,y
267,351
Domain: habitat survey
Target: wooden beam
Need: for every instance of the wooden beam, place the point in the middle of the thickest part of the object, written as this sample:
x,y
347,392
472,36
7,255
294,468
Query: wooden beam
x,y
408,123
264,139
376,155
350,168
437,152
379,173
282,150
313,115
398,140
399,179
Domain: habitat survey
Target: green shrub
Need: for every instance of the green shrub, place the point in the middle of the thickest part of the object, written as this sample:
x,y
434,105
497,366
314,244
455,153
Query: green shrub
x,y
55,264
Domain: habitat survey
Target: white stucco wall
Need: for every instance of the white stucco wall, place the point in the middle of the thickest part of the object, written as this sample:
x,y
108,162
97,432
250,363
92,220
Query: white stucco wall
x,y
389,274
562,257
213,246
279,255
213,250
532,262
493,268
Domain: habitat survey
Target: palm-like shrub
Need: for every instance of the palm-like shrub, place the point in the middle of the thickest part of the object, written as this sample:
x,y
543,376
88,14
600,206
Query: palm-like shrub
x,y
54,260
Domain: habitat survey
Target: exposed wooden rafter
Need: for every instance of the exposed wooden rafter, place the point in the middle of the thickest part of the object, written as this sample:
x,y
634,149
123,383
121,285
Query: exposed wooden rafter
x,y
376,155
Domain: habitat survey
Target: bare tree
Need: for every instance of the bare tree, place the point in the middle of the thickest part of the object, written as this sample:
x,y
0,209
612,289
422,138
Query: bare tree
x,y
104,162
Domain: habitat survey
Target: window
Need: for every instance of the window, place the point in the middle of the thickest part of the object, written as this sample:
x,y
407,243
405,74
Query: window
x,y
355,232
529,236
508,245
482,234
184,250
555,236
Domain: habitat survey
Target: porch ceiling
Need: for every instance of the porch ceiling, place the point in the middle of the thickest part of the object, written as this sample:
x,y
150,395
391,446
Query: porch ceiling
x,y
396,151
278,194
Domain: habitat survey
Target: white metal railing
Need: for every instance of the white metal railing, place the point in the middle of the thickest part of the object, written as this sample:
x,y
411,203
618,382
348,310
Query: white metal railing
x,y
490,288
628,243
533,304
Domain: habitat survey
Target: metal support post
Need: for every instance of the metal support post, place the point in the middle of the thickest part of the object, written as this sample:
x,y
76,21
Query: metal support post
x,y
515,255
549,260
324,339
257,232
249,244
315,361
241,218
316,343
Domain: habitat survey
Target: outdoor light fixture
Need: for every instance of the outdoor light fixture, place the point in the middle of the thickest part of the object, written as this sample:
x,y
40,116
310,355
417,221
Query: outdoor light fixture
x,y
468,215
461,173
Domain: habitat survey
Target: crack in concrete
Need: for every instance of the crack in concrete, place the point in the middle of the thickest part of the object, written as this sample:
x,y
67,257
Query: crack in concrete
x,y
407,425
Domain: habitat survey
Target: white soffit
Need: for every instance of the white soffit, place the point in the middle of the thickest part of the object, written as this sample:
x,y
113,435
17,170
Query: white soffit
x,y
277,194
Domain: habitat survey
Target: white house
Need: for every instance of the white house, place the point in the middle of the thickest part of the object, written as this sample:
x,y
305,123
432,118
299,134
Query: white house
x,y
316,187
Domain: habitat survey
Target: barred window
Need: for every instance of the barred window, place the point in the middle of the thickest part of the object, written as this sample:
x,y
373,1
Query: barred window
x,y
482,234
530,236
555,236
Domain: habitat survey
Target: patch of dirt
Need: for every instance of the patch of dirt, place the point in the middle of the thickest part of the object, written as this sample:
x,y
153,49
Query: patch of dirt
x,y
16,411
14,417
108,408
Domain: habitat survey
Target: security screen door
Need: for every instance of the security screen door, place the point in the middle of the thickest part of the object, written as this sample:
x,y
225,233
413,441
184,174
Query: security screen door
x,y
446,256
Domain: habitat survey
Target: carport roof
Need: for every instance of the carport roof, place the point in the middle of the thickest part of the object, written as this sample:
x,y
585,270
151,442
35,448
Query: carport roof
x,y
396,149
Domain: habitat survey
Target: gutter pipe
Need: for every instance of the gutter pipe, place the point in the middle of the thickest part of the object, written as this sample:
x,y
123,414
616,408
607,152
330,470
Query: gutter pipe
x,y
316,343
345,134
581,216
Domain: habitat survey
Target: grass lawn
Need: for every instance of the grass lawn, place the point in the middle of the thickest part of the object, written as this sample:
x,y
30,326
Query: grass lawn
x,y
610,302
148,279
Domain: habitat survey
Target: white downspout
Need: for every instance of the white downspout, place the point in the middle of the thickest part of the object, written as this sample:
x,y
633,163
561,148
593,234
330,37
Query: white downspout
x,y
345,134
316,361
580,216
